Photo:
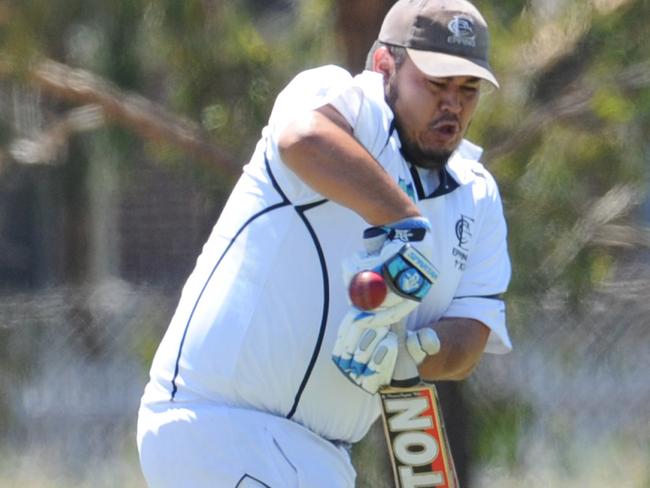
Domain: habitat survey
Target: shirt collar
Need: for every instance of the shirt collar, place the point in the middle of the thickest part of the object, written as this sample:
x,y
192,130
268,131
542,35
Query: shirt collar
x,y
460,162
457,171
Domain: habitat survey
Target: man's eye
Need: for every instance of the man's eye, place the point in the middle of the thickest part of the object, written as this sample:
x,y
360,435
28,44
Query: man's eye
x,y
471,89
438,85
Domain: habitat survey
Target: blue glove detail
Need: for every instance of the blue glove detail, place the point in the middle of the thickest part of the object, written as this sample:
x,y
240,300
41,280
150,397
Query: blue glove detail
x,y
409,274
365,349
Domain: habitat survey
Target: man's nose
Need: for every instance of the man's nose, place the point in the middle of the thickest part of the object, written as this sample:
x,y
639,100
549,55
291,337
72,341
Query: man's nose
x,y
450,100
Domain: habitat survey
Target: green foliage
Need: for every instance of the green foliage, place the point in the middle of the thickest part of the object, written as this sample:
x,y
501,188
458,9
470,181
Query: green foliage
x,y
575,122
221,64
497,429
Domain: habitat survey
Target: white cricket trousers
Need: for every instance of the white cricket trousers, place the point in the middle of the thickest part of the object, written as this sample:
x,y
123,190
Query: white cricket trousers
x,y
201,445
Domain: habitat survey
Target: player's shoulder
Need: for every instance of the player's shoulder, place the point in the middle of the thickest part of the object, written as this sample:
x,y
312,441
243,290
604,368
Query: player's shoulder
x,y
307,90
319,79
373,125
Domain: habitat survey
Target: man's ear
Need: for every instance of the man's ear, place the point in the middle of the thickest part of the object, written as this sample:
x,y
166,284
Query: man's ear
x,y
383,62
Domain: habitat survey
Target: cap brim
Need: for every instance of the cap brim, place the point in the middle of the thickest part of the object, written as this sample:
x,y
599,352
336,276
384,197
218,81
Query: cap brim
x,y
441,65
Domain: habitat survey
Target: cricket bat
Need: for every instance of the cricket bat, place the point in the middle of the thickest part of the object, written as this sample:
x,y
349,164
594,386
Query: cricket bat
x,y
414,427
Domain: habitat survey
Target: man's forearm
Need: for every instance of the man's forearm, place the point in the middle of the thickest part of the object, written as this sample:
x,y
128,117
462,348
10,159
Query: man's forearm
x,y
462,342
322,151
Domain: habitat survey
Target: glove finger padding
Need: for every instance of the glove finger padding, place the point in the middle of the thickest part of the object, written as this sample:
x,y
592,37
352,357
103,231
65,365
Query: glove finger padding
x,y
374,360
422,343
349,336
356,322
366,348
366,355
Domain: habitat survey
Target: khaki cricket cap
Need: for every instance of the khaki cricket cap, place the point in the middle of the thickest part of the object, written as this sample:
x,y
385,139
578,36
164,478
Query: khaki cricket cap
x,y
442,37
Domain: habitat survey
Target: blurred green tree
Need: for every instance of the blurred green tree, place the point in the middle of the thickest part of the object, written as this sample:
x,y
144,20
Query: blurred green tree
x,y
566,129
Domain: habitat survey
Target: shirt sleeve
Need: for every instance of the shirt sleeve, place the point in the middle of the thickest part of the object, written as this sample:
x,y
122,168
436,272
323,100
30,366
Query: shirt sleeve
x,y
487,273
308,91
359,99
365,109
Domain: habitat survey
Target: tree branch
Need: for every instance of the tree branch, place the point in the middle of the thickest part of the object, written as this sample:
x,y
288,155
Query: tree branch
x,y
135,112
572,104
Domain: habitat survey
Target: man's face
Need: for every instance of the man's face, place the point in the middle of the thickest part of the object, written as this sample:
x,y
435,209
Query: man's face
x,y
432,114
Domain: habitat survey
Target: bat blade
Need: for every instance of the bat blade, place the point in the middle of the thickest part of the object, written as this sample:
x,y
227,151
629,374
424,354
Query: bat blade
x,y
416,438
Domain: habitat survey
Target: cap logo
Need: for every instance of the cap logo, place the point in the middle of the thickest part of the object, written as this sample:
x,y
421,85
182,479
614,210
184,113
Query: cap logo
x,y
462,30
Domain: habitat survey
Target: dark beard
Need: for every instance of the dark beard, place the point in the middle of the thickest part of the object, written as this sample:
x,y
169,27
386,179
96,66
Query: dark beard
x,y
412,152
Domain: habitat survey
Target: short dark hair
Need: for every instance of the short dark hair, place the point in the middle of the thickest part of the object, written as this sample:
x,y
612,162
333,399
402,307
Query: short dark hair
x,y
398,53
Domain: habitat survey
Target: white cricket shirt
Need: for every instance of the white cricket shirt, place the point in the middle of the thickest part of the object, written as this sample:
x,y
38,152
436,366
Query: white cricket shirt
x,y
258,316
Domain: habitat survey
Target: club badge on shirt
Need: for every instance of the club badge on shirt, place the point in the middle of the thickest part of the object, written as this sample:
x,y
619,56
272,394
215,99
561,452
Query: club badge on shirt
x,y
463,229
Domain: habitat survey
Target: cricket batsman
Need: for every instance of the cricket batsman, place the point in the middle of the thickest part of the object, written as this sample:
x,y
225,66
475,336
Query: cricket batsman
x,y
267,372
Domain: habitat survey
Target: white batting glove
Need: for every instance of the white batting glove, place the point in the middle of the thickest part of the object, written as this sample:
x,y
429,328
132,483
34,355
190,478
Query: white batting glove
x,y
365,349
366,355
422,343
401,253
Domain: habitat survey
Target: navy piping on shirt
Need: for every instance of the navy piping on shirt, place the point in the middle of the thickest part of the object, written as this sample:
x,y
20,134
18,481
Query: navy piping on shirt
x,y
498,296
324,314
249,477
285,201
325,311
447,183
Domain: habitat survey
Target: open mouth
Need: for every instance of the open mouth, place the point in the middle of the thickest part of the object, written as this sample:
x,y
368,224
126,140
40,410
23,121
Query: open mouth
x,y
446,130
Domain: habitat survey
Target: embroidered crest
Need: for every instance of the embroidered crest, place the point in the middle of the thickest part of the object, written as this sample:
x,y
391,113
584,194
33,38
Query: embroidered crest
x,y
462,30
463,229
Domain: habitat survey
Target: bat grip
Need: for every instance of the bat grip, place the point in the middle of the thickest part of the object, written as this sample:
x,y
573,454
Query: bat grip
x,y
406,370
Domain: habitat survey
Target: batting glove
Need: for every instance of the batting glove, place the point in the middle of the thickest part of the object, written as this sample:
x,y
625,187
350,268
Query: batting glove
x,y
365,350
422,343
365,355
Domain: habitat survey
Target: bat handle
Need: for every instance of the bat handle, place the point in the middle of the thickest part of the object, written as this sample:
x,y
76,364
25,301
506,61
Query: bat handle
x,y
406,370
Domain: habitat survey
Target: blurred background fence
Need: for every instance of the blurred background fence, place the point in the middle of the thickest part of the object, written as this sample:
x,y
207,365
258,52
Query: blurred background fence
x,y
122,129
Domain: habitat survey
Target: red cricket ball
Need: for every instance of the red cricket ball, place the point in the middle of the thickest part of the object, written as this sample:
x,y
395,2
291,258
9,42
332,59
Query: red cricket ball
x,y
367,290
